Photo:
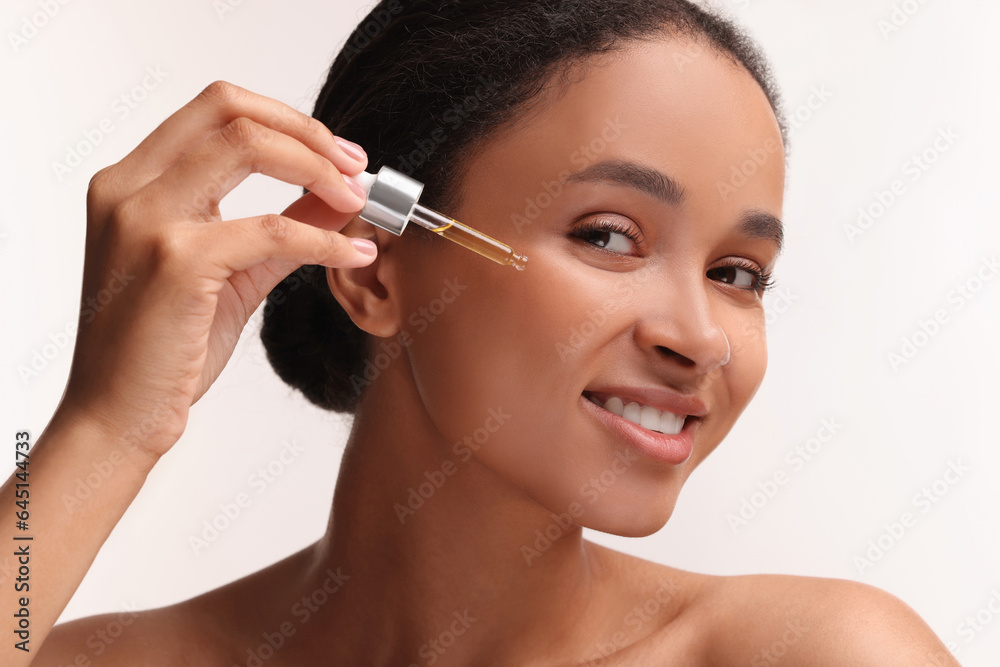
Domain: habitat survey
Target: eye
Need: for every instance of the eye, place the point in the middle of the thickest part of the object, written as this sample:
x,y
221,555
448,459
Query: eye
x,y
611,235
743,274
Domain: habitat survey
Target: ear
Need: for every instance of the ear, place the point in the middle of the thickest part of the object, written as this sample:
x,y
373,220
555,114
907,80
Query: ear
x,y
368,293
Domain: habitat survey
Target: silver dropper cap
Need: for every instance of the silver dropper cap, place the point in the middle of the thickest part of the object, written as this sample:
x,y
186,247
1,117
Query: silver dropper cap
x,y
391,198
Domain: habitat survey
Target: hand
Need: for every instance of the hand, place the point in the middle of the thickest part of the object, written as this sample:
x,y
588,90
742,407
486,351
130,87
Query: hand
x,y
168,285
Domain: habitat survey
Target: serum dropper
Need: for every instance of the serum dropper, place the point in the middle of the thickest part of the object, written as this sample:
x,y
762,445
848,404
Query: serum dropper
x,y
393,200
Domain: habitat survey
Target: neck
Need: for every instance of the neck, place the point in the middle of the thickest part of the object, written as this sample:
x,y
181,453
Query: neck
x,y
442,555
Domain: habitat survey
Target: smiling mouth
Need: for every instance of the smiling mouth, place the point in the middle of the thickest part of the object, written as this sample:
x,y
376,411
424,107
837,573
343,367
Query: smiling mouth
x,y
646,416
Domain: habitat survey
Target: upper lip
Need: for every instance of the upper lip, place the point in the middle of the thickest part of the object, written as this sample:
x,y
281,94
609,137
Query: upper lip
x,y
662,399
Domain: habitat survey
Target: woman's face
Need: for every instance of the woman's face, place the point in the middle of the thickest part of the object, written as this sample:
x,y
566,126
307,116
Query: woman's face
x,y
637,285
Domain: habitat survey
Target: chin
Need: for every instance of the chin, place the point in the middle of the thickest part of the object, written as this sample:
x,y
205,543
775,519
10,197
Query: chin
x,y
627,520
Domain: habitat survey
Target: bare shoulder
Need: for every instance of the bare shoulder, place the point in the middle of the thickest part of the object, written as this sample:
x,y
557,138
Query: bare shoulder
x,y
174,635
767,619
209,629
761,619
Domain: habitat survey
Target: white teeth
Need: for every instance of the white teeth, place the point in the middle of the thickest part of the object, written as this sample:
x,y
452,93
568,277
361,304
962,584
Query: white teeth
x,y
670,423
649,418
644,415
615,405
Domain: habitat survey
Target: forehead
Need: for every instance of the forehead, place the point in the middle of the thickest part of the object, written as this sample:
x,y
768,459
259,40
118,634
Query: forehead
x,y
673,103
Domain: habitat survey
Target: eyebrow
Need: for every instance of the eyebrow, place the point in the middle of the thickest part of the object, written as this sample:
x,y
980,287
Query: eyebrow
x,y
754,223
757,224
644,179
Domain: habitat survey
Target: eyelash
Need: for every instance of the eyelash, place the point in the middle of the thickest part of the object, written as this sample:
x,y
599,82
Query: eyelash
x,y
763,280
608,226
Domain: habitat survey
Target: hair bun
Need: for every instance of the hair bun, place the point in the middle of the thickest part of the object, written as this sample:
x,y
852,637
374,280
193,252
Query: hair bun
x,y
311,342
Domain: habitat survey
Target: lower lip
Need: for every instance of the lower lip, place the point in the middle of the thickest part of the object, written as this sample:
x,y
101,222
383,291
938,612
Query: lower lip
x,y
672,449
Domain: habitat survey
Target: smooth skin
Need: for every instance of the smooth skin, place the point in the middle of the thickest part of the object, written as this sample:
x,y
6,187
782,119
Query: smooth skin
x,y
463,579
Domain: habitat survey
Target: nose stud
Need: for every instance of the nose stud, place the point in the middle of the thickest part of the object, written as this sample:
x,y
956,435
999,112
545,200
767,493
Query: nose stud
x,y
728,349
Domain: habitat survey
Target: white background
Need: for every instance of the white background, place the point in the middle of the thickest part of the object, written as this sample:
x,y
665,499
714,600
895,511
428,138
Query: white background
x,y
842,305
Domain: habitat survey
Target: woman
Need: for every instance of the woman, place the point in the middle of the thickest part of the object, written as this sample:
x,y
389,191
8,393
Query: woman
x,y
493,410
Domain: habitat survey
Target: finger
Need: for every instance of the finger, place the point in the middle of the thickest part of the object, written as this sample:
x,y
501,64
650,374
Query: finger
x,y
198,181
240,245
214,107
312,210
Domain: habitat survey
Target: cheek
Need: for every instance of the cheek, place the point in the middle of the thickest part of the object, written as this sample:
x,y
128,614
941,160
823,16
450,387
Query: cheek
x,y
505,345
748,362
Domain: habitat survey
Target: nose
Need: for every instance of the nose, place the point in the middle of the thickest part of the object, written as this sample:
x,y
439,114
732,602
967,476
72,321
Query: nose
x,y
678,327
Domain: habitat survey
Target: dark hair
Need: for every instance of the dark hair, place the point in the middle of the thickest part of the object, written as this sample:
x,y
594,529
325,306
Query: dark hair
x,y
419,84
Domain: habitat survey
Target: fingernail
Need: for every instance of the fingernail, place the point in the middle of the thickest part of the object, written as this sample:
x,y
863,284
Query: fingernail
x,y
356,188
352,149
364,245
